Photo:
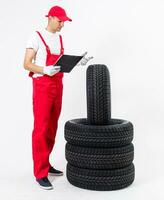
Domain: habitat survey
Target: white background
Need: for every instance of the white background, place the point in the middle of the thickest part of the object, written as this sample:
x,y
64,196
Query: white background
x,y
128,37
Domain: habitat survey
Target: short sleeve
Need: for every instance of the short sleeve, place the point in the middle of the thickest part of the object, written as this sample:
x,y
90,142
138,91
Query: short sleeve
x,y
33,42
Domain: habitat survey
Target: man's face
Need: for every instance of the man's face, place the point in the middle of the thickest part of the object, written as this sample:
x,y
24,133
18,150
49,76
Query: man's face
x,y
56,23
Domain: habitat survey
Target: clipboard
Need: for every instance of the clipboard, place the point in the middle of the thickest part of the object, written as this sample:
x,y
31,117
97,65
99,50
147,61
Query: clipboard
x,y
68,62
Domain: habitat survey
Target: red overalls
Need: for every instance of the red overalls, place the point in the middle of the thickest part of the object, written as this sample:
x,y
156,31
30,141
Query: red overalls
x,y
47,102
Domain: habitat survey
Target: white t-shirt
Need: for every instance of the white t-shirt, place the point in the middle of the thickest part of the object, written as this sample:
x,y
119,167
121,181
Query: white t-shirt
x,y
35,42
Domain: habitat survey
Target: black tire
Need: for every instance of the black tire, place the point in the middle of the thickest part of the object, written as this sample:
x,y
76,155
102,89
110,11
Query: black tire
x,y
99,158
98,95
118,133
100,180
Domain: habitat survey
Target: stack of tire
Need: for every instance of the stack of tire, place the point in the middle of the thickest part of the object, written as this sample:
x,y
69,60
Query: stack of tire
x,y
99,149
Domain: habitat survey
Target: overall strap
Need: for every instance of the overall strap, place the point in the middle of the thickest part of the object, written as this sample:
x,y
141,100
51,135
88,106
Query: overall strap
x,y
61,44
47,47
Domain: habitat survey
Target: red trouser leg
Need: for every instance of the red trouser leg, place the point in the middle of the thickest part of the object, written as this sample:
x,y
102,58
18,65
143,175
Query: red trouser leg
x,y
47,101
55,112
57,92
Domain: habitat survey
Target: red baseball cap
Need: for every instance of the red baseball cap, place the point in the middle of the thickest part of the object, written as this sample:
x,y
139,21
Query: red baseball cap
x,y
58,12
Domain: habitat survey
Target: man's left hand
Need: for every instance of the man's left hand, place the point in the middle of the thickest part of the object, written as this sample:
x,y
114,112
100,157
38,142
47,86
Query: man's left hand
x,y
85,59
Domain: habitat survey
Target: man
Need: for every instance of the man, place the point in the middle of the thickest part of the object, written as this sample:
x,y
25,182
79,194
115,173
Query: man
x,y
44,48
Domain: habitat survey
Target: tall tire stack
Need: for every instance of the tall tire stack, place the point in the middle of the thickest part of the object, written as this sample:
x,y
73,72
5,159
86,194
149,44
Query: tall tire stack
x,y
99,149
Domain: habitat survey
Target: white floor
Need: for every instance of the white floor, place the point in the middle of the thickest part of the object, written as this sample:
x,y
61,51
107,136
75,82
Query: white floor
x,y
148,184
23,187
17,181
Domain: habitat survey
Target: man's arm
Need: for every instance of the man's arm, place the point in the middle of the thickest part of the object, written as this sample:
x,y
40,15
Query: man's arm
x,y
28,65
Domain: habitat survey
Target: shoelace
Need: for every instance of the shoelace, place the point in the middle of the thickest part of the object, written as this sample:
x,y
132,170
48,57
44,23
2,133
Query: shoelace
x,y
45,179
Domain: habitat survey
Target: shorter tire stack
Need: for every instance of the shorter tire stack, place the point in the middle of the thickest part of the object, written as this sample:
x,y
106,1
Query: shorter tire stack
x,y
99,149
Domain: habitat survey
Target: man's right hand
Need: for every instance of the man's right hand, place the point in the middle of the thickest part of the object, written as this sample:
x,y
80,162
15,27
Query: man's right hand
x,y
51,70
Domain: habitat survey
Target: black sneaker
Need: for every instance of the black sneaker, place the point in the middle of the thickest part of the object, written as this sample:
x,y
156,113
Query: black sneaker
x,y
54,172
44,183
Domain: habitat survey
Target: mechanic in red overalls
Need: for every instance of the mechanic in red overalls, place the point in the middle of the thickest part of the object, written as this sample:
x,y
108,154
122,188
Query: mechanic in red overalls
x,y
45,47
